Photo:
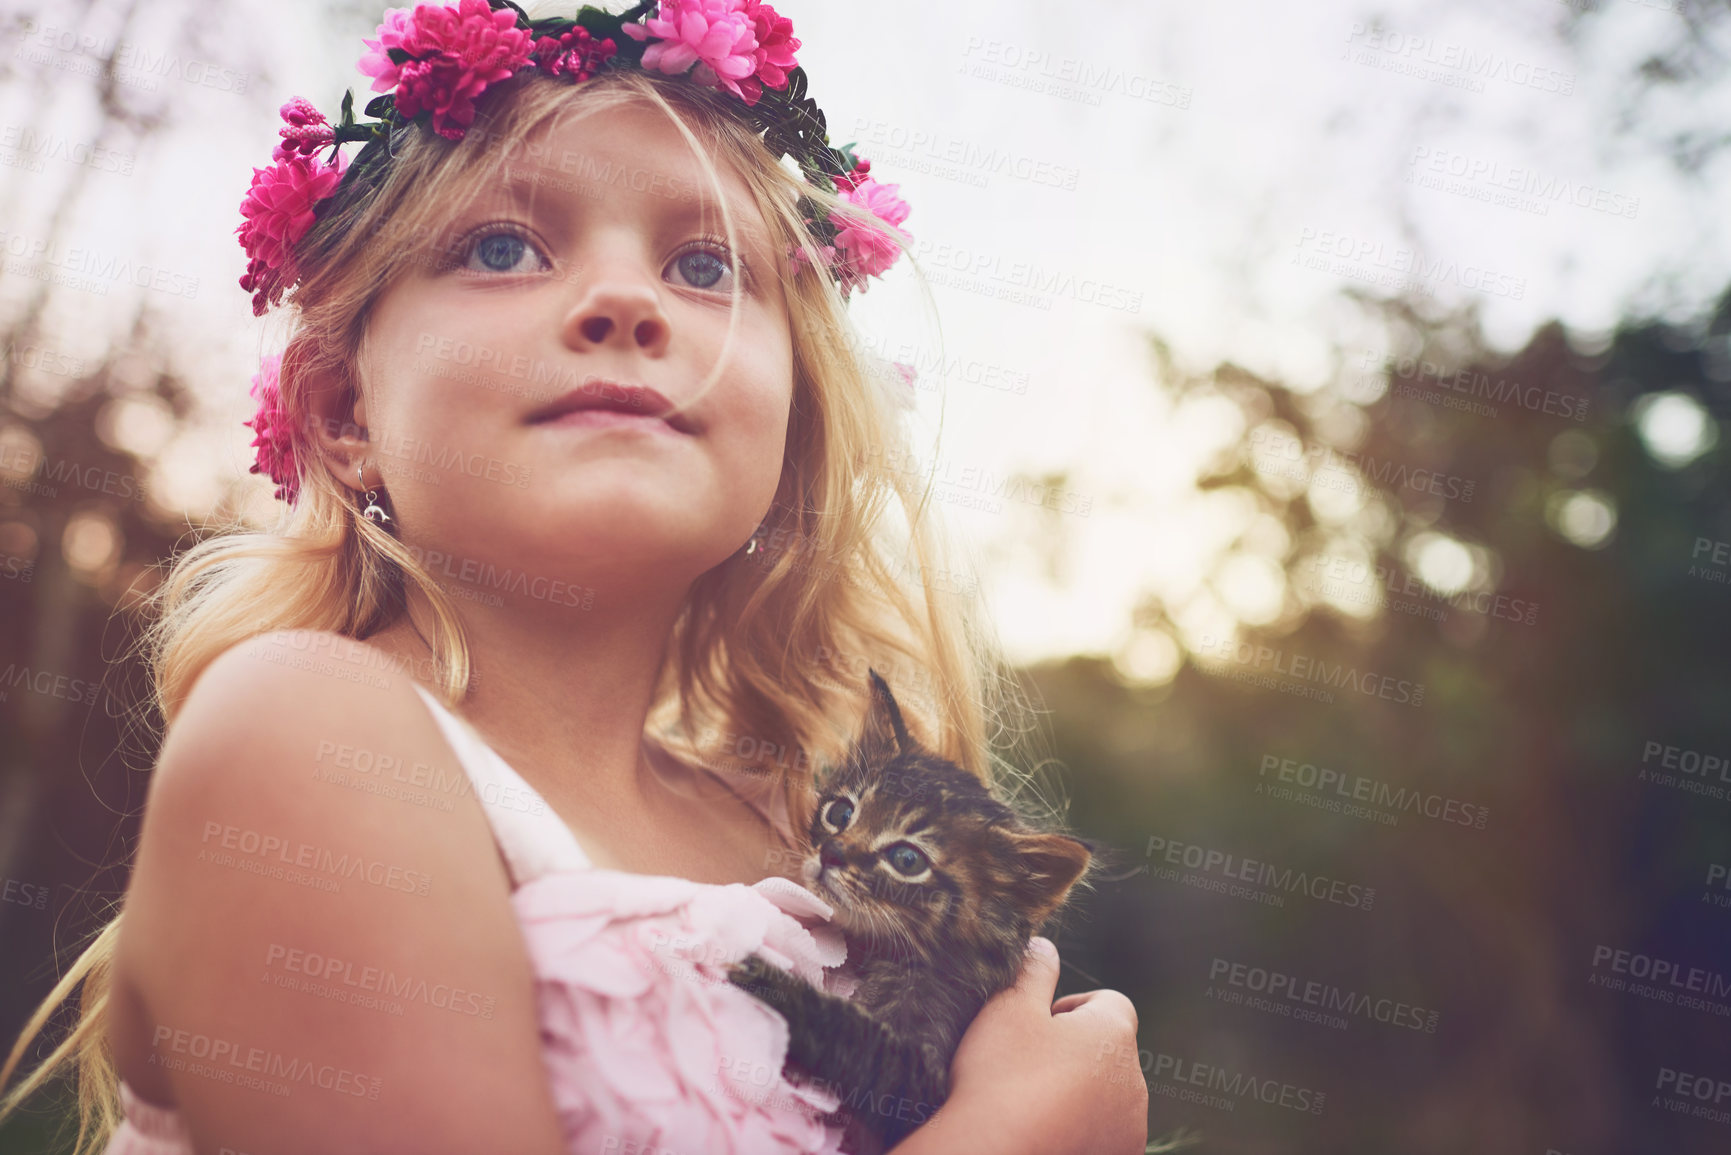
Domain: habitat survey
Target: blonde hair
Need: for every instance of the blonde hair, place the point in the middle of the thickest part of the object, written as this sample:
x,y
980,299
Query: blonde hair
x,y
756,651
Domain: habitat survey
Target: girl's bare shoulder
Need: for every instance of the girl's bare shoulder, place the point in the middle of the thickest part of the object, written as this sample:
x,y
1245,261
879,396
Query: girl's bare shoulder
x,y
295,884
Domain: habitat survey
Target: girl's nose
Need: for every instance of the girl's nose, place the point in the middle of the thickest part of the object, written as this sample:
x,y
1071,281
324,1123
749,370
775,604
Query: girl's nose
x,y
619,312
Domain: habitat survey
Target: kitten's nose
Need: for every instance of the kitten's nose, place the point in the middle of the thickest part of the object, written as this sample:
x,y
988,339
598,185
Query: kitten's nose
x,y
830,855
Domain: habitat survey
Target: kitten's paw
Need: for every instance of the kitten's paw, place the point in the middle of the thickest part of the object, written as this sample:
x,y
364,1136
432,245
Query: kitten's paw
x,y
757,978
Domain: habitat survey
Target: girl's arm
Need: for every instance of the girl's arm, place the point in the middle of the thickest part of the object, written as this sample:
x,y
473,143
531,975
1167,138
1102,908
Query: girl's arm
x,y
1034,1078
318,967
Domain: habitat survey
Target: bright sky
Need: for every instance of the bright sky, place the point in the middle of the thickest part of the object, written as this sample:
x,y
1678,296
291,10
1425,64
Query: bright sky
x,y
1078,176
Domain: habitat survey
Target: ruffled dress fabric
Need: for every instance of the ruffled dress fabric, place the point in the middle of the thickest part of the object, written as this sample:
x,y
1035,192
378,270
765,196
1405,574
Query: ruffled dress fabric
x,y
643,1036
647,1046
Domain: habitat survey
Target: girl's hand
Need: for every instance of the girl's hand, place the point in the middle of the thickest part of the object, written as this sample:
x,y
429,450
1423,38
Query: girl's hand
x,y
1041,1077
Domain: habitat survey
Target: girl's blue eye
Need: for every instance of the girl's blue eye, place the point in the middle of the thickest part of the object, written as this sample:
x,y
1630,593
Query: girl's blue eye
x,y
505,250
703,269
501,252
905,858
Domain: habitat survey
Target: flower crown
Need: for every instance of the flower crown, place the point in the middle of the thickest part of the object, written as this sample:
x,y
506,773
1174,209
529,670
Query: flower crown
x,y
440,57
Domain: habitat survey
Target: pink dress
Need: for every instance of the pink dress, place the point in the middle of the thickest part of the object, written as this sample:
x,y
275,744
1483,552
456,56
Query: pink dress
x,y
644,1040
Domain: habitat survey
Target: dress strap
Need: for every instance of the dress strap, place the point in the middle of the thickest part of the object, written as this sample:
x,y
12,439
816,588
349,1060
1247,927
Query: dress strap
x,y
147,1129
532,838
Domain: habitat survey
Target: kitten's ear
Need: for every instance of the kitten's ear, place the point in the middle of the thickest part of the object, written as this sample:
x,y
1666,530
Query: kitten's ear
x,y
885,734
1050,864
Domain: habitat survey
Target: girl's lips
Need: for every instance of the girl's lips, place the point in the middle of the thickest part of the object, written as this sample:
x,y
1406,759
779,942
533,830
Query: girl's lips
x,y
599,395
610,419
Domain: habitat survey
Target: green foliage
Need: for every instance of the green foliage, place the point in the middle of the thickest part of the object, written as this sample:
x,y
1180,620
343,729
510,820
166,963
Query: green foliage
x,y
1543,726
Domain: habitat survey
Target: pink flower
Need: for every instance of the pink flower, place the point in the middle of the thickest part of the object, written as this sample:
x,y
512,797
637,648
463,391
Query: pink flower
x,y
278,208
575,52
454,54
847,181
399,26
739,45
274,443
775,46
866,251
306,132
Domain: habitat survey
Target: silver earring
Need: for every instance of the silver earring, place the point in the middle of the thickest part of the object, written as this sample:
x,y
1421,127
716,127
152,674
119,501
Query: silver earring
x,y
372,512
751,546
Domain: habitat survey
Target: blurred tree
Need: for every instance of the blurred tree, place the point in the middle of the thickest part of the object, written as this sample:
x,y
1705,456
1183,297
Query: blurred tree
x,y
1543,580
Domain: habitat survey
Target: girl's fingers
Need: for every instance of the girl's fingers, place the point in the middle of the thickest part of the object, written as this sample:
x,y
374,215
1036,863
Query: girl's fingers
x,y
1039,971
1113,1005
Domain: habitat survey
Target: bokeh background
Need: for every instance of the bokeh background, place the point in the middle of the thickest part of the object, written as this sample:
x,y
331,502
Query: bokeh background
x,y
1333,396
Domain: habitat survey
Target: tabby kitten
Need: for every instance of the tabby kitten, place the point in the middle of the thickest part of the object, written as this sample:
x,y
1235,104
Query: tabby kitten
x,y
938,887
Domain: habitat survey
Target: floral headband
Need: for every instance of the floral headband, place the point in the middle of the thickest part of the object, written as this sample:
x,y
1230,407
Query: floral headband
x,y
439,58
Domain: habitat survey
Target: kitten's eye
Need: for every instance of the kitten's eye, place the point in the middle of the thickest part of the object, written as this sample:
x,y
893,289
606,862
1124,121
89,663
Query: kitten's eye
x,y
906,858
705,268
838,814
499,250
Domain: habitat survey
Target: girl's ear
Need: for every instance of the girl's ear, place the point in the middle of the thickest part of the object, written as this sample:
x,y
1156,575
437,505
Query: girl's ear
x,y
336,418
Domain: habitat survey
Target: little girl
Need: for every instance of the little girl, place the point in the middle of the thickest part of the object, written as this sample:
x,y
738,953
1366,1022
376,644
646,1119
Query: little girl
x,y
477,763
